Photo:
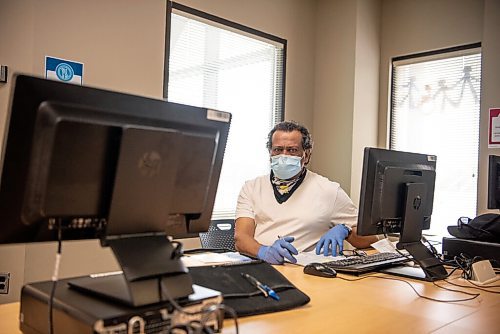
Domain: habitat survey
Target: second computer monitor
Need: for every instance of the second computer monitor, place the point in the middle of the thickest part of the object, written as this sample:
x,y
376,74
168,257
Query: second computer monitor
x,y
387,176
397,193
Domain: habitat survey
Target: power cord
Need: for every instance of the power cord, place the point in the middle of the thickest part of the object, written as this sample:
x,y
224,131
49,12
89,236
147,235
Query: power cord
x,y
430,247
466,269
55,277
198,327
465,263
474,295
476,286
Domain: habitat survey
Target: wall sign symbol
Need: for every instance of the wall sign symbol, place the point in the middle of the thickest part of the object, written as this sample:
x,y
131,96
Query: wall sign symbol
x,y
63,70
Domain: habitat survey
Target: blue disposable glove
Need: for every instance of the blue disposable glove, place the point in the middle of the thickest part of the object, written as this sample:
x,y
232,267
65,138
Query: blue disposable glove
x,y
280,249
331,240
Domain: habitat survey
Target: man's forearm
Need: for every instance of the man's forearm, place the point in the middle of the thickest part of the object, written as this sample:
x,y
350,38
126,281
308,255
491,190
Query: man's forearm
x,y
246,245
360,241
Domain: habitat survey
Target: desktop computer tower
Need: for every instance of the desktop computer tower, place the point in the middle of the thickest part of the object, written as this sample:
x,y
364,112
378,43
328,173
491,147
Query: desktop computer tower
x,y
77,312
486,250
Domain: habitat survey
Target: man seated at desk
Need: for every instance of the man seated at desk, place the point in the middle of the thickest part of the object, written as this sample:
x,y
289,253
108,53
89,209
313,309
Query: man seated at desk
x,y
294,204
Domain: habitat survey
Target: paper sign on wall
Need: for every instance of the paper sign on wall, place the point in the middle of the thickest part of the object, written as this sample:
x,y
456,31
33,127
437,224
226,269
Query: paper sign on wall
x,y
63,70
494,128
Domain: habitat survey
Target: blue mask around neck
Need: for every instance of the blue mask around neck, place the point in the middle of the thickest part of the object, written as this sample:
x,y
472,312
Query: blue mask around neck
x,y
285,166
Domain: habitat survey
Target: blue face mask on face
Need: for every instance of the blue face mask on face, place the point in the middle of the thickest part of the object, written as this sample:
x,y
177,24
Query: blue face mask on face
x,y
285,166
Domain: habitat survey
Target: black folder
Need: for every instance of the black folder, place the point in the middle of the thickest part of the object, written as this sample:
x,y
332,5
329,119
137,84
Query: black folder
x,y
241,295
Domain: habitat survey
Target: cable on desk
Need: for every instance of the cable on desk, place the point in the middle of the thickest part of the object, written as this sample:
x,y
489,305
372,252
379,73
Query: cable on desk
x,y
55,277
474,295
436,254
475,286
462,262
197,327
431,247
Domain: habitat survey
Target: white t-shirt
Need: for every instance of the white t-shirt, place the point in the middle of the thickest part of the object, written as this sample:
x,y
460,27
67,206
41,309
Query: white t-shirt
x,y
316,205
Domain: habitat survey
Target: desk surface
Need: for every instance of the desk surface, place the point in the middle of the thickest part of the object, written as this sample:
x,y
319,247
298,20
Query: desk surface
x,y
371,305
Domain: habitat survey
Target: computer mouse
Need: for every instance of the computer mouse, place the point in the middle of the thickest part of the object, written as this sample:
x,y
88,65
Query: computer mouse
x,y
319,269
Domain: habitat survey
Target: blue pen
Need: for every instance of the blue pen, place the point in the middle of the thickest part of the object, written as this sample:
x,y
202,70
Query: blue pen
x,y
281,238
267,291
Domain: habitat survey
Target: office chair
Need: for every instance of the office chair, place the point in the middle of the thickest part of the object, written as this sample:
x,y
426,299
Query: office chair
x,y
220,234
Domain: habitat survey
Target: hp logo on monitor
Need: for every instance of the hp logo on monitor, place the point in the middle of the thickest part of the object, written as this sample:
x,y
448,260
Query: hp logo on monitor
x,y
150,163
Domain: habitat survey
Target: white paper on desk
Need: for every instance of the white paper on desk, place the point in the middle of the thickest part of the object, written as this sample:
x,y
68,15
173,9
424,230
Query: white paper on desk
x,y
209,258
385,246
304,258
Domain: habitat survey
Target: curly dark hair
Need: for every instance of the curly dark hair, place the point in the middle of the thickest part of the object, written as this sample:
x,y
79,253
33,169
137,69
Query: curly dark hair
x,y
289,126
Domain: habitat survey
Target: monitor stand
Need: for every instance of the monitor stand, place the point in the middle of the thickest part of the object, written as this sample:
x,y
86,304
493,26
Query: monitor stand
x,y
152,272
411,236
406,271
152,266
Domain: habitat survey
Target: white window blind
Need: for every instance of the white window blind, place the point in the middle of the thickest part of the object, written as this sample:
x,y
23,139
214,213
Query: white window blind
x,y
217,66
435,110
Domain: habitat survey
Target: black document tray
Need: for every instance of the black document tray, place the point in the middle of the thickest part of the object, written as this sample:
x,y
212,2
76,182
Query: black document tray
x,y
242,296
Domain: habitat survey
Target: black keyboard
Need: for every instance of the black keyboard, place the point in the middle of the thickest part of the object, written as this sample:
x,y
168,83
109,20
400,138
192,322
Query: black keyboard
x,y
361,264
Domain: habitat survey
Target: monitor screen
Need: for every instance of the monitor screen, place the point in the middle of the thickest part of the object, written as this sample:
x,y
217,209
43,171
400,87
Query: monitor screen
x,y
494,182
397,192
106,163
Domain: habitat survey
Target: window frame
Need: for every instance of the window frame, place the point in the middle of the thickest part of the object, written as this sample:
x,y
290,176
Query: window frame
x,y
280,115
421,56
277,113
441,54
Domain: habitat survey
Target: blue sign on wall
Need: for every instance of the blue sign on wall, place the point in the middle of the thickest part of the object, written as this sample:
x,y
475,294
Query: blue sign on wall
x,y
63,70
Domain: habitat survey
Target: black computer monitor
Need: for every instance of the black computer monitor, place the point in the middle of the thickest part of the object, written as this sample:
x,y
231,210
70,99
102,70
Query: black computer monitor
x,y
397,191
81,163
494,182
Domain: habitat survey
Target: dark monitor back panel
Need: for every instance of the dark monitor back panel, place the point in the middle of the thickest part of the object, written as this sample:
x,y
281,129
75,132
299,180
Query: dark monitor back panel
x,y
89,126
383,183
494,182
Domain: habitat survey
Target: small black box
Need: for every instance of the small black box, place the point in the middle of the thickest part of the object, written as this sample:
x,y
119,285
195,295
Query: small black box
x,y
487,250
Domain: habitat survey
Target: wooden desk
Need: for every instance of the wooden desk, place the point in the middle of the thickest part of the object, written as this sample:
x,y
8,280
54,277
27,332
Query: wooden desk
x,y
371,305
375,305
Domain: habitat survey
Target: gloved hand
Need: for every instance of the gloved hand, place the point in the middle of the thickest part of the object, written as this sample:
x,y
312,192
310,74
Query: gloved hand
x,y
331,240
280,249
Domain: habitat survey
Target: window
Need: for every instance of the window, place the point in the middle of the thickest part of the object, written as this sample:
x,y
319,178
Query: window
x,y
435,110
218,64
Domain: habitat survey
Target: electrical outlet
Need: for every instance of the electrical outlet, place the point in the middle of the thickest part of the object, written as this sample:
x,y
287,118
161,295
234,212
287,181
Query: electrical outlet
x,y
4,283
3,73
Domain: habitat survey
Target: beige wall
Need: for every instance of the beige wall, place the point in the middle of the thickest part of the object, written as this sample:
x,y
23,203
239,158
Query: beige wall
x,y
336,50
415,26
410,26
346,88
366,95
490,88
293,20
334,89
121,44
